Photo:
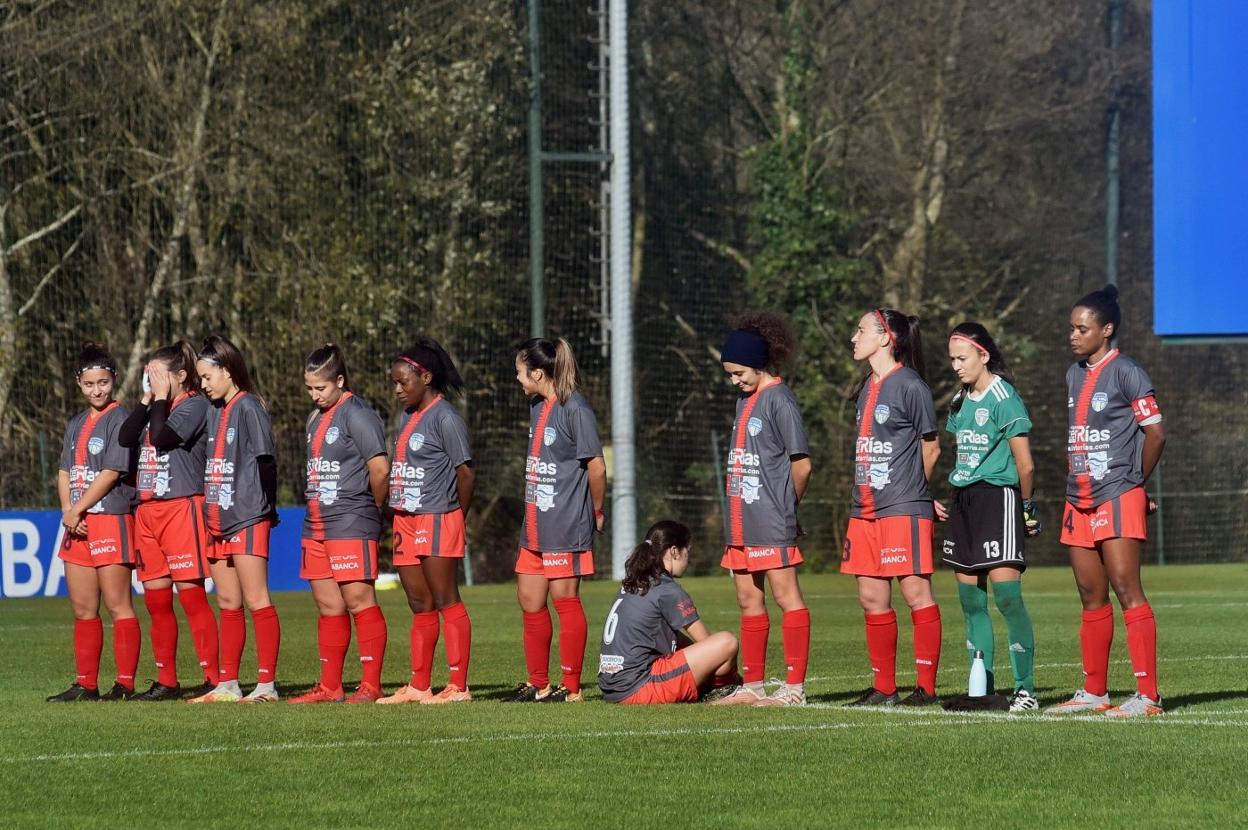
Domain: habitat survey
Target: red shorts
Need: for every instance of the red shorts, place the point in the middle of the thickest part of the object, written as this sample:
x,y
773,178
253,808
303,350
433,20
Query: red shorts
x,y
109,541
888,546
670,681
342,560
555,564
170,536
751,559
250,541
417,535
1125,517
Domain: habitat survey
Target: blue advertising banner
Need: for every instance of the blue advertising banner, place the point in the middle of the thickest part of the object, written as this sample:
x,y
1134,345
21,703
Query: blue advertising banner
x,y
29,566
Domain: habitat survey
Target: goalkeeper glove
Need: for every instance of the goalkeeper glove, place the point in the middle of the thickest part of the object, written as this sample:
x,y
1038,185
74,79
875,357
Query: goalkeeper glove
x,y
1031,518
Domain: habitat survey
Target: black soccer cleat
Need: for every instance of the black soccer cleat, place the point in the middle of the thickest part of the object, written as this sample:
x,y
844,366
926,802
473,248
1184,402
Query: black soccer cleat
x,y
159,691
118,692
562,694
527,693
76,694
200,690
919,698
874,697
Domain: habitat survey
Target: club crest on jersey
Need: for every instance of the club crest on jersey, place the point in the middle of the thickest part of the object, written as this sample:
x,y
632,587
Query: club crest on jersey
x,y
981,417
1099,401
754,426
548,436
881,413
416,441
331,435
229,435
96,445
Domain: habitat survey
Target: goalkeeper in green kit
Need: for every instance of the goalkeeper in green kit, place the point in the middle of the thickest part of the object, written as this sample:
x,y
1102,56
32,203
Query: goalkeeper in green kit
x,y
992,509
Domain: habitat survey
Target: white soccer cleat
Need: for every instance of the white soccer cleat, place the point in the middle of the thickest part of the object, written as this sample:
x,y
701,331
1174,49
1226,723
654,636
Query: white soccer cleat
x,y
786,695
1081,702
743,696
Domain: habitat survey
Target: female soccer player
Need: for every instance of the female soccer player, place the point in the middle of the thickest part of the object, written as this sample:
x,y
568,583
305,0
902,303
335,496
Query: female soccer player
x,y
169,430
992,509
768,470
1115,441
431,483
347,471
96,486
240,487
642,661
890,528
564,484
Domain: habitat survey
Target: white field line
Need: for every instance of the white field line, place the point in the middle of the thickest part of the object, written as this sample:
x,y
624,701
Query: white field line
x,y
920,719
1197,659
902,712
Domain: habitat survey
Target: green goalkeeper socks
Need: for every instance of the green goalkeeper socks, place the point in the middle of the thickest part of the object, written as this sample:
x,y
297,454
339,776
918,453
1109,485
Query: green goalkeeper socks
x,y
1009,598
974,601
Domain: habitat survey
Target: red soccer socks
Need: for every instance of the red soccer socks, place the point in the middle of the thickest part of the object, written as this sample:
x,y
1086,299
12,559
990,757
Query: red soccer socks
x,y
126,642
1096,635
926,646
882,649
333,637
88,646
538,633
370,636
233,637
795,627
424,640
268,642
755,629
458,643
203,627
164,633
1142,647
573,631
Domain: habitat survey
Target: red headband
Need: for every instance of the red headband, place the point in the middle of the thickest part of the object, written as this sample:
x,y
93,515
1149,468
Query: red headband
x,y
957,336
413,364
884,323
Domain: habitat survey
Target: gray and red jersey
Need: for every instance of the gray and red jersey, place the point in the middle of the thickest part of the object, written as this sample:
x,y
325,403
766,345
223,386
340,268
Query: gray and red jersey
x,y
432,444
640,629
91,446
894,413
239,434
762,502
341,440
179,472
558,507
1109,405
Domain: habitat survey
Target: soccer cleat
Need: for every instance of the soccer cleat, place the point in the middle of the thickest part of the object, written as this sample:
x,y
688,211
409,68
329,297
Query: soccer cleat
x,y
159,691
1023,701
407,694
263,693
318,694
118,692
874,697
76,694
200,690
221,693
741,696
786,695
1136,706
528,693
451,694
719,692
1080,702
562,694
365,693
919,697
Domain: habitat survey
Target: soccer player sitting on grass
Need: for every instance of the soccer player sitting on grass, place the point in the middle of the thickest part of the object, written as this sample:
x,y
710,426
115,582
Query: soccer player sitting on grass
x,y
642,661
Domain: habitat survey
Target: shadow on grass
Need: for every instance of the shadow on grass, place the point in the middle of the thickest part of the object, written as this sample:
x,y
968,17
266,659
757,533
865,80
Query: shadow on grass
x,y
1184,701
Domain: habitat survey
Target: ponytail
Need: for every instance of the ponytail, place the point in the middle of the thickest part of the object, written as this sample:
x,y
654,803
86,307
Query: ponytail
x,y
180,357
982,340
427,355
555,359
219,351
644,567
94,356
904,340
328,363
1104,306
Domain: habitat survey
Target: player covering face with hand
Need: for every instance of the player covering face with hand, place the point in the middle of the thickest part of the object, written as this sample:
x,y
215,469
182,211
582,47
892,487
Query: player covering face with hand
x,y
991,509
642,658
1115,441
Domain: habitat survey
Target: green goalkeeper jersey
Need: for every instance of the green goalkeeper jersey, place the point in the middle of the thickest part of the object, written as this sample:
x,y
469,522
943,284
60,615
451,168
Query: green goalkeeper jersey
x,y
984,425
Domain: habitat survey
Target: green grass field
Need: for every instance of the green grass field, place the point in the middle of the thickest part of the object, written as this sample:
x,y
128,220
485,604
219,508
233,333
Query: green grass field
x,y
489,765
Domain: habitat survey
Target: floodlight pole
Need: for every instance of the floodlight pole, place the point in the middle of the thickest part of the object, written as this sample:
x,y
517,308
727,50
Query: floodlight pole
x,y
624,479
